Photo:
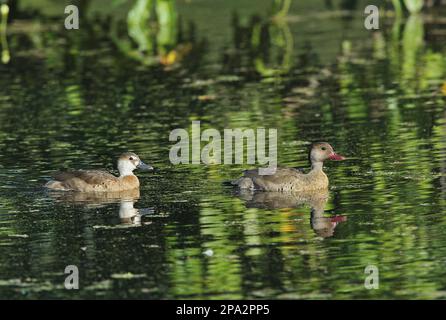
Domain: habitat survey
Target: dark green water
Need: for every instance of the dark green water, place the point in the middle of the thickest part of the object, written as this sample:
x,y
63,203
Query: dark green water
x,y
76,99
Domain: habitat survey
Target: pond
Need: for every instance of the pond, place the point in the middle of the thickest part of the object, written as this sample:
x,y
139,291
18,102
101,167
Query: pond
x,y
78,98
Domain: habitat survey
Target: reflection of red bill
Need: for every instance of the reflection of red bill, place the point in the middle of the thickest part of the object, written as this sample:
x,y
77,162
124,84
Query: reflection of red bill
x,y
336,219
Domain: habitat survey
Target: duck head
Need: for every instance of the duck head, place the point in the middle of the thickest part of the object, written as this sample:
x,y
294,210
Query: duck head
x,y
321,151
129,161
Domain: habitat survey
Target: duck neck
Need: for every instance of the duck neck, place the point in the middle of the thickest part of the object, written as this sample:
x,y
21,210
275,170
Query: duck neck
x,y
317,165
125,168
126,209
124,171
125,174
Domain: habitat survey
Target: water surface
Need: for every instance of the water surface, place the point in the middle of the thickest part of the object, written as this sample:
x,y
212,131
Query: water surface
x,y
76,99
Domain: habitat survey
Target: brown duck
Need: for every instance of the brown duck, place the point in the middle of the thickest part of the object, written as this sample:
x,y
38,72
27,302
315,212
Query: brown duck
x,y
322,225
291,179
101,181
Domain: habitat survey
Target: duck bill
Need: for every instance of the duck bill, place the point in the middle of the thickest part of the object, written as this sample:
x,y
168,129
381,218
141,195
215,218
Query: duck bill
x,y
338,219
144,167
336,157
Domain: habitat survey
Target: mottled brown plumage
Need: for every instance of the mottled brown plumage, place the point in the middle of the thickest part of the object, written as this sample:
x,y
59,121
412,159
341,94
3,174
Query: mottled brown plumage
x,y
290,179
100,181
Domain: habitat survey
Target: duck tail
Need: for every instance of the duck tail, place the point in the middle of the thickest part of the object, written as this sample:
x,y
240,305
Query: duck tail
x,y
55,185
243,183
228,183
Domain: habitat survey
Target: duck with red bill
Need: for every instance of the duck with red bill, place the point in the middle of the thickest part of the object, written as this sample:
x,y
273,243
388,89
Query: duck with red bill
x,y
291,179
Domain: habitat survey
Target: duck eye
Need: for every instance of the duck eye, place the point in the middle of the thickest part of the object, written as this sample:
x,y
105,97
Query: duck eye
x,y
131,158
323,148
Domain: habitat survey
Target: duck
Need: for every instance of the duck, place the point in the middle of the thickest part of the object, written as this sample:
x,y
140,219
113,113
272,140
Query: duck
x,y
101,181
95,200
322,225
292,179
128,214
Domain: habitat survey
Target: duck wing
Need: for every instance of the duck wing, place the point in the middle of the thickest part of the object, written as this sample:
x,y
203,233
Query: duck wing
x,y
91,177
282,178
279,174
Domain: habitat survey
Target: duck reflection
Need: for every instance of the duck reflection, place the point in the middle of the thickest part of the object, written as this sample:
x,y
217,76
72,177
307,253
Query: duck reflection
x,y
128,214
323,226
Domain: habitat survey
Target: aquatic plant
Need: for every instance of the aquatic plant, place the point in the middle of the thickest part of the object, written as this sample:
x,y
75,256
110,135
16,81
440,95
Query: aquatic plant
x,y
4,12
153,25
414,6
281,8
